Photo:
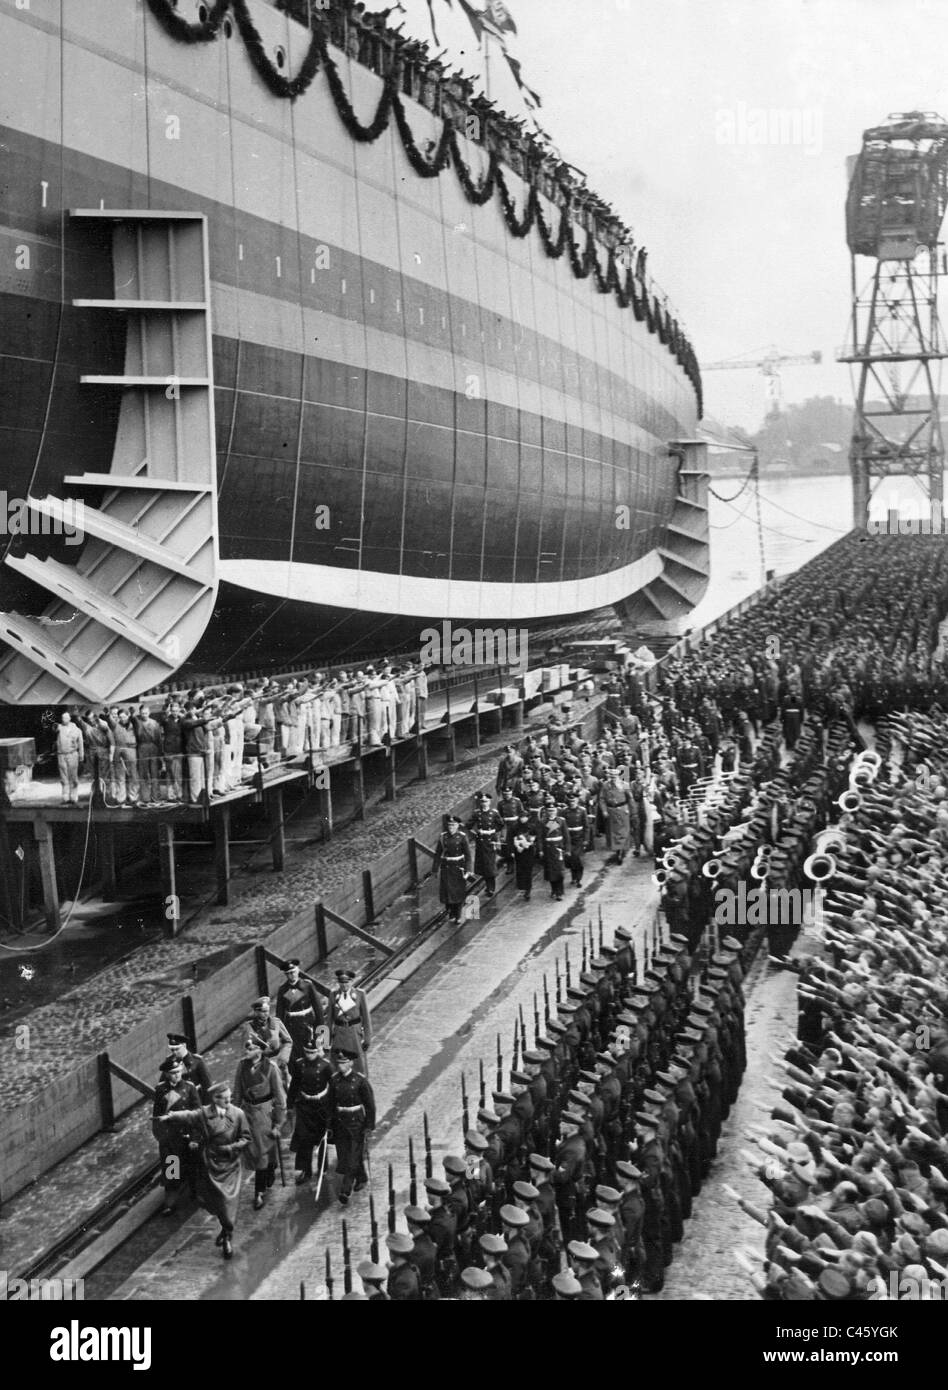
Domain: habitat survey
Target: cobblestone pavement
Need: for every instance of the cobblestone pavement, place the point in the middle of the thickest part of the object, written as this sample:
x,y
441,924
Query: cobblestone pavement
x,y
85,1019
448,1017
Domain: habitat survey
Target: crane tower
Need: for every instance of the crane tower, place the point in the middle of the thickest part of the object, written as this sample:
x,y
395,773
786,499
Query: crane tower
x,y
898,191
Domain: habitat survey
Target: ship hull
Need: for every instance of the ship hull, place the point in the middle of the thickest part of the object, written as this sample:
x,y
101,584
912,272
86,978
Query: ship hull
x,y
417,416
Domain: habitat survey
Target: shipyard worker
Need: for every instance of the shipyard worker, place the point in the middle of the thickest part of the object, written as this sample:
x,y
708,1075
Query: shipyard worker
x,y
350,1023
197,749
258,1090
195,1067
352,1117
150,747
309,1098
452,862
177,1148
172,743
273,1035
125,767
99,743
487,830
223,1130
69,754
298,1006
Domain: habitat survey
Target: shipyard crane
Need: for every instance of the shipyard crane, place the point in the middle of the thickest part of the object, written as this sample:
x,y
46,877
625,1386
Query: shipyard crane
x,y
769,367
898,193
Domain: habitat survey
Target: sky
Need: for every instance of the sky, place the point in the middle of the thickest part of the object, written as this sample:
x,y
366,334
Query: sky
x,y
719,130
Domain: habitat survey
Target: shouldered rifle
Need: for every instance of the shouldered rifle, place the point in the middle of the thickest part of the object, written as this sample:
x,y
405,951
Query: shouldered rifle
x,y
413,1174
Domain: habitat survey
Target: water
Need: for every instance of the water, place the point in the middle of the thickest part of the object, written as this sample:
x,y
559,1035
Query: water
x,y
799,518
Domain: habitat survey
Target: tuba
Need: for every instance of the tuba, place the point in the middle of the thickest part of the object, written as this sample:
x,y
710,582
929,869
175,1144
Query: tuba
x,y
819,867
712,868
849,802
830,840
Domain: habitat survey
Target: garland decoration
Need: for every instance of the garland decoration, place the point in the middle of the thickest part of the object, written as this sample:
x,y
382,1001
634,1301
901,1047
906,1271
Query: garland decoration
x,y
629,290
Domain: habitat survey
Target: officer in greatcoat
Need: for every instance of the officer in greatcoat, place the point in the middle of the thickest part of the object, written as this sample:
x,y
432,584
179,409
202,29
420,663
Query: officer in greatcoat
x,y
224,1133
486,830
309,1096
453,864
177,1148
258,1090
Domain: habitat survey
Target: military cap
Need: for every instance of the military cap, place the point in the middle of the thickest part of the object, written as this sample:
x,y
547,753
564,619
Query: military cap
x,y
608,1194
588,980
580,1098
635,1007
492,1245
567,1285
454,1165
488,1117
627,1018
474,1278
716,973
526,1190
557,1027
353,1297
599,962
400,1243
218,1088
519,1078
607,951
603,1219
437,1187
513,1216
590,1076
295,961
569,1006
502,1098
699,1006
605,1059
569,1117
370,1273
678,939
647,987
646,1120
534,1057
541,1163
654,1096
547,1044
345,974
417,1216
624,934
581,1250
259,1003
731,943
177,1040
652,974
475,1141
625,1169
345,1052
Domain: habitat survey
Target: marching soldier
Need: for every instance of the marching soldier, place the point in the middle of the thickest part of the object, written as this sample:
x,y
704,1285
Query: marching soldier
x,y
309,1095
176,1147
510,809
258,1090
273,1036
350,1023
486,829
453,863
195,1068
352,1117
576,822
552,848
298,1006
524,848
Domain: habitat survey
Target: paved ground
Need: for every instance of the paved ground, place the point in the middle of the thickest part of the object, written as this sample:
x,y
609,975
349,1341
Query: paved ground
x,y
85,1018
447,1019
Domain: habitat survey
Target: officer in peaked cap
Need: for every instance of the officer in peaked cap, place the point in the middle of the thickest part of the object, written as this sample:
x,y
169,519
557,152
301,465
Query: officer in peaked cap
x,y
442,1228
514,1222
477,1285
566,1287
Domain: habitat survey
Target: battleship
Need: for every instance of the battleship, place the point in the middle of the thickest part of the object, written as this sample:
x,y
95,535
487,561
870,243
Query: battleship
x,y
324,349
